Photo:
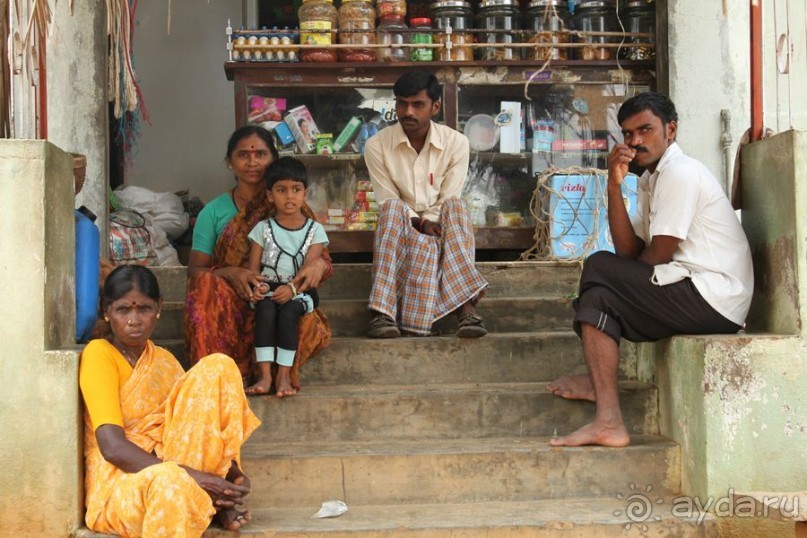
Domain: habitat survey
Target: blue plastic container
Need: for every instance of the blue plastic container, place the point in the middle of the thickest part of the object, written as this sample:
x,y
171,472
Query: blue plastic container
x,y
88,268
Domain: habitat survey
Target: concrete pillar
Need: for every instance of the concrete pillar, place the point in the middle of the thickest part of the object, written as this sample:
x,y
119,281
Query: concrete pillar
x,y
77,97
708,72
40,494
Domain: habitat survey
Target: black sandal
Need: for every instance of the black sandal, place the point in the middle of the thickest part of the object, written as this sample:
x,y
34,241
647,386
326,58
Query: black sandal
x,y
470,325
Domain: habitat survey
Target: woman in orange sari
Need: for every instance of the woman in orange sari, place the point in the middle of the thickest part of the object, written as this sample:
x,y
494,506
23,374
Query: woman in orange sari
x,y
161,446
218,317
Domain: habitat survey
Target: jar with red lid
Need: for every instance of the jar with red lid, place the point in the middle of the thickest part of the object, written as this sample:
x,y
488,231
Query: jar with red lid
x,y
357,27
392,30
422,34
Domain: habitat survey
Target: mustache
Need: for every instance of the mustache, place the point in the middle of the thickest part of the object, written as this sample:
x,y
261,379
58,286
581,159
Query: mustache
x,y
637,149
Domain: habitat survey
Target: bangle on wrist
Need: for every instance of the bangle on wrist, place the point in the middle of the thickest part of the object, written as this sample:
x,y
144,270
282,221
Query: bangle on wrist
x,y
293,289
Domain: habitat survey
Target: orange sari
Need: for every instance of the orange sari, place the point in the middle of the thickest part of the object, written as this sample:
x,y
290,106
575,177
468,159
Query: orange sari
x,y
199,419
217,320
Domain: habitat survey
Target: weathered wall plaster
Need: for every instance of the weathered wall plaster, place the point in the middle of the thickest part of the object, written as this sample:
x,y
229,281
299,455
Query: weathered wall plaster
x,y
39,405
77,105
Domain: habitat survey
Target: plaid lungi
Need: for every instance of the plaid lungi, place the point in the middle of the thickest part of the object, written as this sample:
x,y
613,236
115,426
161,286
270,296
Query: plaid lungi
x,y
417,278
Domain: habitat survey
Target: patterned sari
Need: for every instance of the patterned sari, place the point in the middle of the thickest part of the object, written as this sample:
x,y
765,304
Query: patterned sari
x,y
199,419
217,320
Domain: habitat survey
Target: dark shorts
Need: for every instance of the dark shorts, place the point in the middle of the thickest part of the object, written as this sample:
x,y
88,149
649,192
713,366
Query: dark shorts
x,y
617,297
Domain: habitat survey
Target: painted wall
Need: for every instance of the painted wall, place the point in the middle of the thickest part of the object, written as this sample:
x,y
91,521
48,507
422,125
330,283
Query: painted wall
x,y
39,403
188,96
736,404
708,72
77,106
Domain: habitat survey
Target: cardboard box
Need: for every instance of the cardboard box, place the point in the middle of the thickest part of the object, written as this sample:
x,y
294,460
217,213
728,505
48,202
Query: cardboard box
x,y
509,121
578,214
265,109
302,126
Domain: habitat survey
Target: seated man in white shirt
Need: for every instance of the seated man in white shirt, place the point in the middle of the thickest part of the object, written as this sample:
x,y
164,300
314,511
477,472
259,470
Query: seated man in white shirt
x,y
423,259
682,266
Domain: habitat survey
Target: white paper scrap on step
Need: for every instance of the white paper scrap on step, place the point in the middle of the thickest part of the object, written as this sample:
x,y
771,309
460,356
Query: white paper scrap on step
x,y
331,509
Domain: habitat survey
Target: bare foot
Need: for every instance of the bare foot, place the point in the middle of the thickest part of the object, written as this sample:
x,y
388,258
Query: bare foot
x,y
232,519
573,387
261,387
595,433
283,385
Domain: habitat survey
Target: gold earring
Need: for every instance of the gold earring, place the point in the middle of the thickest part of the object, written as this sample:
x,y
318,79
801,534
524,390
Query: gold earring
x,y
158,315
106,319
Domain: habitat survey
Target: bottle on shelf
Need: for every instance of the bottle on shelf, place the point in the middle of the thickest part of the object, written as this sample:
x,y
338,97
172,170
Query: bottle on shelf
x,y
596,16
424,36
357,27
318,24
458,16
639,16
549,19
392,31
503,18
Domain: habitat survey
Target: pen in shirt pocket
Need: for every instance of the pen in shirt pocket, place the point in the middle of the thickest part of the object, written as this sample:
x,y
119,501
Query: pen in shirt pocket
x,y
431,179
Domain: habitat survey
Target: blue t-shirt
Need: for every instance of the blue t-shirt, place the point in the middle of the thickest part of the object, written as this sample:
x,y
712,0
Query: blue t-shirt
x,y
290,243
211,222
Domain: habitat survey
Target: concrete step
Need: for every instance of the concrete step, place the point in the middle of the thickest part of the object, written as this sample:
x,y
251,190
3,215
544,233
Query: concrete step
x,y
497,358
353,280
386,412
453,471
350,317
602,517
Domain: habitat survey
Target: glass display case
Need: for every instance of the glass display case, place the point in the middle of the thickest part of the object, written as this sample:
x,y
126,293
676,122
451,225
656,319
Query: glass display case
x,y
519,122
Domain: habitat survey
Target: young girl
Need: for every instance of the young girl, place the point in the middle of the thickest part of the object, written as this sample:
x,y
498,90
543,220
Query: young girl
x,y
280,246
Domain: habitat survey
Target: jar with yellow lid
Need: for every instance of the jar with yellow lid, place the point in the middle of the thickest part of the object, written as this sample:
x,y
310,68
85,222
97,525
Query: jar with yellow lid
x,y
357,27
318,24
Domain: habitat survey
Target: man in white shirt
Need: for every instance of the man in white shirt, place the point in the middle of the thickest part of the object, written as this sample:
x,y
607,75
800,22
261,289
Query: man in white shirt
x,y
682,266
423,259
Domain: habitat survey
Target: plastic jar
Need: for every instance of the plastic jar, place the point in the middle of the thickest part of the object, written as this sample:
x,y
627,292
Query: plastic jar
x,y
318,24
639,16
391,8
548,19
357,27
596,16
458,15
392,30
421,54
504,17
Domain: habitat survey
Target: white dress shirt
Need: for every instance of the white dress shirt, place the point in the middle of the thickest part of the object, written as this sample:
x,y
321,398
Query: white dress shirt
x,y
423,181
683,199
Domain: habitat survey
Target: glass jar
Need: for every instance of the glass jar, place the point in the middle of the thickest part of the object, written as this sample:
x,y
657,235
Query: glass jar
x,y
596,16
318,24
504,18
639,17
549,19
357,27
424,36
459,16
392,30
391,8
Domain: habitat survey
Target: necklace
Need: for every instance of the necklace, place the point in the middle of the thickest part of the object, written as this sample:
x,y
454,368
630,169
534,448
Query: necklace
x,y
131,359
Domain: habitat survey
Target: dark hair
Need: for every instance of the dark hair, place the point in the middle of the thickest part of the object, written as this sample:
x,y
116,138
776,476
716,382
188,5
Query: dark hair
x,y
126,278
249,130
414,82
286,168
657,103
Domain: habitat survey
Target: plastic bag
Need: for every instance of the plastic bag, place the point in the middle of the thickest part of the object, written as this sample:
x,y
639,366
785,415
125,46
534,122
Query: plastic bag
x,y
331,509
163,209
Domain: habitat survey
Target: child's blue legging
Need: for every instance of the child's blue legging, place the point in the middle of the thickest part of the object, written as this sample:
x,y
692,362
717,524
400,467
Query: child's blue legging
x,y
276,328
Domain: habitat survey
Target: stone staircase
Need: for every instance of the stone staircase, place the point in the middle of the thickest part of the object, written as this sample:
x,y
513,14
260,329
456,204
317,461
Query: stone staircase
x,y
444,437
